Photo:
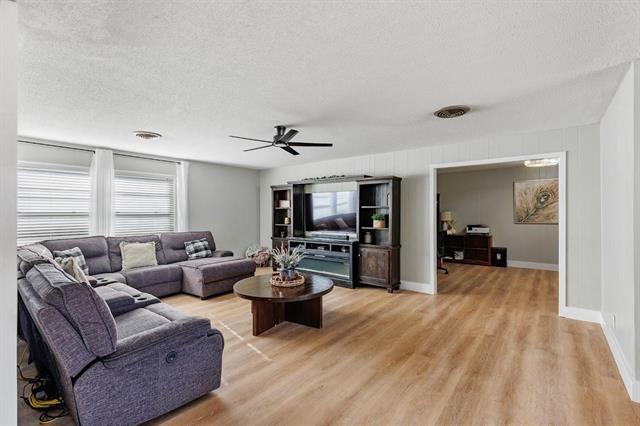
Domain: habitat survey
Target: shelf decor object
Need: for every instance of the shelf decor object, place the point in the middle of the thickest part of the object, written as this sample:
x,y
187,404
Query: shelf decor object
x,y
378,221
368,238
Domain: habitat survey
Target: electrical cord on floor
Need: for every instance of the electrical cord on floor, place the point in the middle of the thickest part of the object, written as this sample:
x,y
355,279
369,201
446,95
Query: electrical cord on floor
x,y
51,408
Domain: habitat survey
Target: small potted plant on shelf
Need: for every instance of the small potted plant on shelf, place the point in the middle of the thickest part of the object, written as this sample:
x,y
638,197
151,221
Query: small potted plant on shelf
x,y
378,220
287,261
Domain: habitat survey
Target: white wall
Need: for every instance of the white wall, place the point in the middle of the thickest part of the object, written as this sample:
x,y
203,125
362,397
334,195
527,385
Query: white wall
x,y
486,197
143,165
46,154
224,200
583,196
8,290
636,227
618,143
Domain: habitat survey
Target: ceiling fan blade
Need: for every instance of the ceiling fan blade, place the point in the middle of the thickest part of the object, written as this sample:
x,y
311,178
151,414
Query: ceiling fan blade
x,y
309,144
288,136
260,147
290,150
251,139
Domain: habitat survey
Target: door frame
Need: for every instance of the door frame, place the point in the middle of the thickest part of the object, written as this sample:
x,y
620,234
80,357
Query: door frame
x,y
561,156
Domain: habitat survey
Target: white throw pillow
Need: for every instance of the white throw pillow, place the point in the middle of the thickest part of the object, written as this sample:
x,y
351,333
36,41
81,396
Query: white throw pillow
x,y
137,255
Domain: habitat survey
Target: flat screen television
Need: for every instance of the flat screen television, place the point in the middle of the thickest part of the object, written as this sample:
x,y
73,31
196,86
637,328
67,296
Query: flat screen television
x,y
331,212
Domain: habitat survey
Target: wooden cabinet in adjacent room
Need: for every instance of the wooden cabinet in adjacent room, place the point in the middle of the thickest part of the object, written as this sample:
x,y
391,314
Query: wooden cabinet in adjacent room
x,y
468,248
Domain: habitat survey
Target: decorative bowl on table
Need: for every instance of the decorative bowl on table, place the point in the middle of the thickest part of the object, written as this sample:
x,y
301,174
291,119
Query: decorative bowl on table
x,y
288,281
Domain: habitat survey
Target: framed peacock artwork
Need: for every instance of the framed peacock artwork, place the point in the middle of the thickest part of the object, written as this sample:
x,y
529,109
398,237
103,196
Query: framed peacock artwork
x,y
536,201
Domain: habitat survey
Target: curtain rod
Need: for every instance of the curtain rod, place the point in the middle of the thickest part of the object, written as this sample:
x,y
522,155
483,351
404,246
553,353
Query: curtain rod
x,y
146,158
53,145
56,145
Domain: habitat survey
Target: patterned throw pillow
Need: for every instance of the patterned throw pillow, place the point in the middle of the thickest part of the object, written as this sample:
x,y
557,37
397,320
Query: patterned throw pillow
x,y
197,249
71,267
74,252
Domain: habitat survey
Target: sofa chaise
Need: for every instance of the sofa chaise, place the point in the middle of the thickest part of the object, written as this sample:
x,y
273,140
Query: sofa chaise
x,y
118,354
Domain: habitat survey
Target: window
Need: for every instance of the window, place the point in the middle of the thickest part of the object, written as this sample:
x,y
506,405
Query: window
x,y
53,202
143,204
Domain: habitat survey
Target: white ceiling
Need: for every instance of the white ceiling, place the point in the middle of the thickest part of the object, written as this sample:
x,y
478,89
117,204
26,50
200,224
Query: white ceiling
x,y
366,76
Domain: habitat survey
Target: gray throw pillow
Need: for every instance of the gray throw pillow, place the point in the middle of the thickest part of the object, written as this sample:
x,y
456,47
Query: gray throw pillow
x,y
74,252
197,249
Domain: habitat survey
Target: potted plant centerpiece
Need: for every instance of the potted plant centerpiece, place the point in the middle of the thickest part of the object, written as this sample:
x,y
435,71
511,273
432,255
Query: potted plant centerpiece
x,y
378,220
287,261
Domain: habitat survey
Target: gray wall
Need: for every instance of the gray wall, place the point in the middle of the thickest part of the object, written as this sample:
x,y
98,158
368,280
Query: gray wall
x,y
222,199
486,197
225,200
8,120
583,196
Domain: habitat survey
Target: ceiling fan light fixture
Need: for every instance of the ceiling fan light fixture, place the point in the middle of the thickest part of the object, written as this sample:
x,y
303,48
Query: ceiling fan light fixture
x,y
147,135
542,162
452,111
282,140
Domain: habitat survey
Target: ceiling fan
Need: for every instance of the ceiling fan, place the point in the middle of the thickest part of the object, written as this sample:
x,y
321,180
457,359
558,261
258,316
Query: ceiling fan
x,y
282,139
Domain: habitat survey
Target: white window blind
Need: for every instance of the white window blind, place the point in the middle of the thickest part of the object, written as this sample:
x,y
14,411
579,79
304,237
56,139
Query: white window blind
x,y
143,204
52,203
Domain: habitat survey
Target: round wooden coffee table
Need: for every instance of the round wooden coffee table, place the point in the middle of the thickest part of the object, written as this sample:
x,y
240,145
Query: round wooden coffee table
x,y
271,305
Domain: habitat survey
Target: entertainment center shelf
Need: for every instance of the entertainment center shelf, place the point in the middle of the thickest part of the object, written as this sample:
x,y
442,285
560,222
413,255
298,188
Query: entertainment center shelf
x,y
331,219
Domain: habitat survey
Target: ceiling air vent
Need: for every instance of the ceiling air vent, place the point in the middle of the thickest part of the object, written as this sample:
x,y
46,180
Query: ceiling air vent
x,y
143,134
452,111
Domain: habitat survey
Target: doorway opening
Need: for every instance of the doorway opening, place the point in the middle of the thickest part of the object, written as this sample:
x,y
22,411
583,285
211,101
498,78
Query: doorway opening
x,y
506,212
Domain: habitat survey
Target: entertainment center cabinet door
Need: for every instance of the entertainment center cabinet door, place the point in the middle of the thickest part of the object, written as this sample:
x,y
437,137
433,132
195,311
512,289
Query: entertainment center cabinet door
x,y
374,266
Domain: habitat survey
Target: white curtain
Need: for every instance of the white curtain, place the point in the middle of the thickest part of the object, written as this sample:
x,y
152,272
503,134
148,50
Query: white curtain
x,y
101,187
182,196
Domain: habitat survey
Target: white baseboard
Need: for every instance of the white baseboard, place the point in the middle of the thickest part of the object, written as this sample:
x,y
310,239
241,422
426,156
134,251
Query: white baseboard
x,y
581,314
628,378
417,287
626,373
532,265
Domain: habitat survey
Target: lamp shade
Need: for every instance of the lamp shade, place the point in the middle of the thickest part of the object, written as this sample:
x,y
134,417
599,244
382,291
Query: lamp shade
x,y
445,216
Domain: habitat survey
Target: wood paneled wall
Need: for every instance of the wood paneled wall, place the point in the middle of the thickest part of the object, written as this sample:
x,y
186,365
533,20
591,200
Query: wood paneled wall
x,y
583,195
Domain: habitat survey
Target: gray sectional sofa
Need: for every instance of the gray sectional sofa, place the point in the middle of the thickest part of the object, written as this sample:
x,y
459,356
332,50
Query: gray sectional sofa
x,y
117,353
174,273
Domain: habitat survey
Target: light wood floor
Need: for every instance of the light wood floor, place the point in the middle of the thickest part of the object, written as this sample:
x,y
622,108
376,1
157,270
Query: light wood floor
x,y
489,349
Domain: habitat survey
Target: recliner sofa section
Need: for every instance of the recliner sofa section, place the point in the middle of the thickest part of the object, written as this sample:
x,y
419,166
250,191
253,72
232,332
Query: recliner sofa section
x,y
118,356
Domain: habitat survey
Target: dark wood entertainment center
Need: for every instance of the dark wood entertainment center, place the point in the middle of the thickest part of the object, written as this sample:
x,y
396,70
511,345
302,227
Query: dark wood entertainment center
x,y
372,258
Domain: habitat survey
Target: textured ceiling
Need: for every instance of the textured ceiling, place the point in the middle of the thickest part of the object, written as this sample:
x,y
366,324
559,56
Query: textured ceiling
x,y
364,75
